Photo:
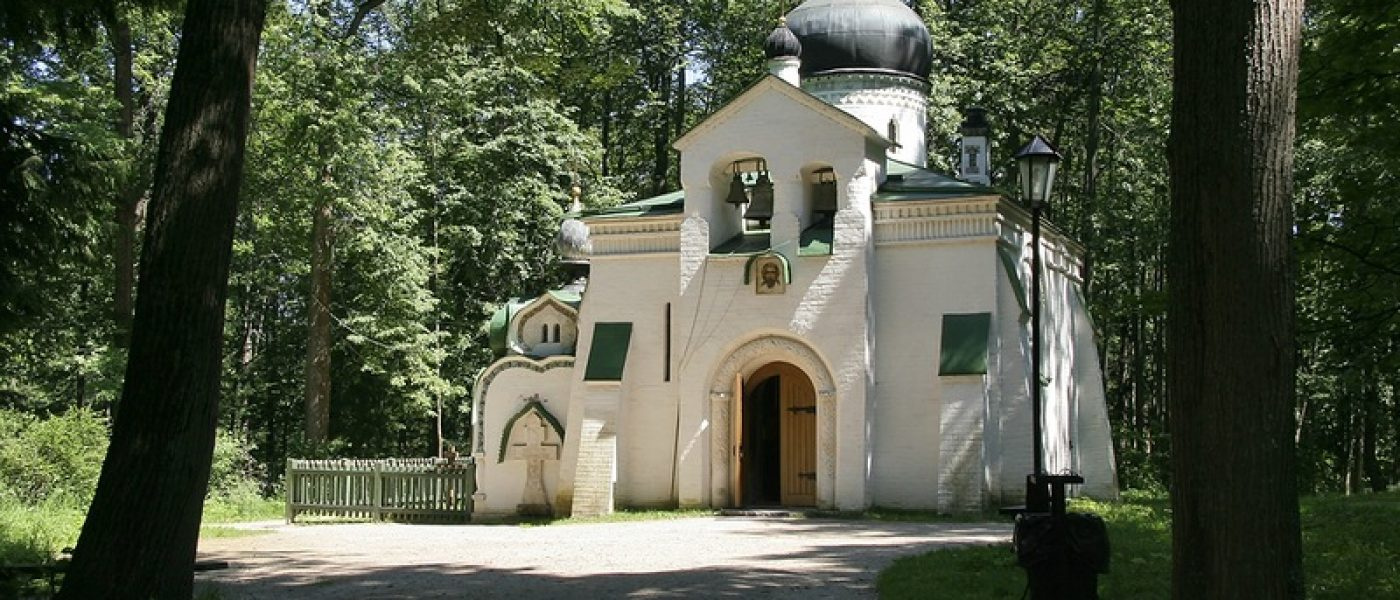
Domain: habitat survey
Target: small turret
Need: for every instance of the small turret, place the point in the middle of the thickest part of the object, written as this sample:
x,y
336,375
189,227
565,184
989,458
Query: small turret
x,y
975,161
574,244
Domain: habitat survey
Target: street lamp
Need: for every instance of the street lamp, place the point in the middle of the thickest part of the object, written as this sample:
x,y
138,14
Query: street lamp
x,y
1037,163
1062,553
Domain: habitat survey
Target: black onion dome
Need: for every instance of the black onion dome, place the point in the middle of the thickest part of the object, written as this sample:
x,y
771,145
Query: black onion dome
x,y
782,42
880,36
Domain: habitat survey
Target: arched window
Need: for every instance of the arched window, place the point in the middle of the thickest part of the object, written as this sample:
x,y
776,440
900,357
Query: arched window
x,y
544,334
556,333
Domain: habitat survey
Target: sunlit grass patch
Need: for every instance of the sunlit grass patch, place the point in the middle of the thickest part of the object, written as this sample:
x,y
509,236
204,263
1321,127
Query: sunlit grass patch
x,y
35,534
237,508
1351,549
214,532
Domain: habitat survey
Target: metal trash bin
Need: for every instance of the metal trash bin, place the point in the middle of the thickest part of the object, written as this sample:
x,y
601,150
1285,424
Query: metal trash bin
x,y
1063,555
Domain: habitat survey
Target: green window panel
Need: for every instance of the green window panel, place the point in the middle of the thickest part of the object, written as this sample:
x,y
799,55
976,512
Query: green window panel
x,y
608,354
964,347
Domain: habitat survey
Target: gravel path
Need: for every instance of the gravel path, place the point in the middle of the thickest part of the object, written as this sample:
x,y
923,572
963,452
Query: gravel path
x,y
698,557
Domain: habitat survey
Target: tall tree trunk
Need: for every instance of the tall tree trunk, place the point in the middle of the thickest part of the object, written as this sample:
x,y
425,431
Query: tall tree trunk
x,y
129,191
1089,184
1370,413
606,134
140,535
679,107
1351,480
660,136
1231,389
318,342
1395,430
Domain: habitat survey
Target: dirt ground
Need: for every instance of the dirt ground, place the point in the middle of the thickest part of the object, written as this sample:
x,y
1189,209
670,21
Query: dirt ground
x,y
727,557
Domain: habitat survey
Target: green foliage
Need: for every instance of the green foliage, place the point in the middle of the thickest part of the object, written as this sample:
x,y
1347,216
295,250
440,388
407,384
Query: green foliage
x,y
55,156
233,471
243,505
61,162
34,533
1348,246
57,459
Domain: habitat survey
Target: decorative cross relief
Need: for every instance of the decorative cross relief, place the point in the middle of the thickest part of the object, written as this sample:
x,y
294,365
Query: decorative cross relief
x,y
534,437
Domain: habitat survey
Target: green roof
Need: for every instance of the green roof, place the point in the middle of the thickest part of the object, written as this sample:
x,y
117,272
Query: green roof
x,y
904,182
816,240
665,204
964,348
567,297
752,242
500,324
608,354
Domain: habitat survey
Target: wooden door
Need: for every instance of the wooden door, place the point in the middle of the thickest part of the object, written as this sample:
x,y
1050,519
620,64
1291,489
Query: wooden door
x,y
799,439
736,441
797,435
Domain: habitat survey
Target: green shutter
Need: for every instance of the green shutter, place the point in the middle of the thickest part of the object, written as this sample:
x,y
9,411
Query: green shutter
x,y
608,354
964,348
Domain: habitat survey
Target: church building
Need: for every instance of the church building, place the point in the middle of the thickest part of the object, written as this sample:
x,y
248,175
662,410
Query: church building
x,y
815,319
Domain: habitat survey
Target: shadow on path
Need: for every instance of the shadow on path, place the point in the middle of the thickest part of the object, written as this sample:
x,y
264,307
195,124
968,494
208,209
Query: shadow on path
x,y
807,559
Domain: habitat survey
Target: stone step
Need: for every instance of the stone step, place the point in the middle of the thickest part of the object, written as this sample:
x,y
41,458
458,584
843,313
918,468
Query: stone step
x,y
767,513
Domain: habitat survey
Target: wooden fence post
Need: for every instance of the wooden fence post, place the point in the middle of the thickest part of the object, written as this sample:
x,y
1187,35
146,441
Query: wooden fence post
x,y
289,488
378,491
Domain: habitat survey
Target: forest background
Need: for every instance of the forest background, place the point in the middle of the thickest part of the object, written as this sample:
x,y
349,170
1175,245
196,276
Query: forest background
x,y
409,162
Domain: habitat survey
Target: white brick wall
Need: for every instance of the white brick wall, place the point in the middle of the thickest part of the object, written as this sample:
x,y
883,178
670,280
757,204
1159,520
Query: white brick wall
x,y
916,285
866,319
500,484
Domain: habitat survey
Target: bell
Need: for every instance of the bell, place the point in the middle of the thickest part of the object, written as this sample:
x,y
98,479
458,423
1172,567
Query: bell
x,y
736,191
761,209
824,197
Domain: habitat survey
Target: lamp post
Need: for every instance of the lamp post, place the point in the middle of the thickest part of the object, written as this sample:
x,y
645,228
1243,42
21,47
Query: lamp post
x,y
1037,163
1062,553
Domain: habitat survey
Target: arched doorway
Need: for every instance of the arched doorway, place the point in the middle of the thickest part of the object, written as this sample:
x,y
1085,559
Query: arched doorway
x,y
777,427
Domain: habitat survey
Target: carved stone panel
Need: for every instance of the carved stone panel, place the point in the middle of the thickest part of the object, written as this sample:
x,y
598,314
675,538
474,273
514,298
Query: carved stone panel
x,y
533,436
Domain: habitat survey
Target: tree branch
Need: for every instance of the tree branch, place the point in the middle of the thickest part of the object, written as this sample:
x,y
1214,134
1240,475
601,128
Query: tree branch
x,y
1362,258
361,12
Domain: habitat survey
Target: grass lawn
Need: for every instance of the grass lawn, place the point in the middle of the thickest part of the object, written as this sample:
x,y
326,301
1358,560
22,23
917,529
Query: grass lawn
x,y
1351,549
36,533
